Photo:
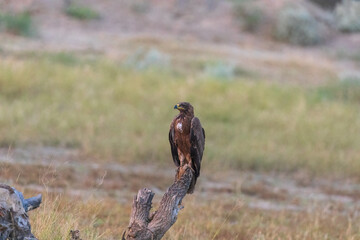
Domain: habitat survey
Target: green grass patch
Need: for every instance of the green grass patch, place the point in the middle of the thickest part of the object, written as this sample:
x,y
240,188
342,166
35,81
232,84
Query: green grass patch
x,y
81,12
17,23
124,115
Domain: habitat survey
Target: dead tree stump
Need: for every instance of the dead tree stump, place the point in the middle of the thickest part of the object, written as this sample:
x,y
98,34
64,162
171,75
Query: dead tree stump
x,y
146,226
14,221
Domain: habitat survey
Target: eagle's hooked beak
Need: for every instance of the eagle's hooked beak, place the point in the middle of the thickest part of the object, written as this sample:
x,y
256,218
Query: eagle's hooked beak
x,y
177,106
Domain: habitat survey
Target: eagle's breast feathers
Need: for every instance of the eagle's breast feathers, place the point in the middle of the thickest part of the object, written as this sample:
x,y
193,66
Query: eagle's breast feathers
x,y
187,140
179,126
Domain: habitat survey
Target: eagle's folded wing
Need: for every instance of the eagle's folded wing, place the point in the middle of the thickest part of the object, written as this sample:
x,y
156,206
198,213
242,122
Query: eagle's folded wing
x,y
174,151
197,142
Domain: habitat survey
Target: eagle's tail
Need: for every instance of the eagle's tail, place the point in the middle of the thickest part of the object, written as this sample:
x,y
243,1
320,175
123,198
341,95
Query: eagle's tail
x,y
180,171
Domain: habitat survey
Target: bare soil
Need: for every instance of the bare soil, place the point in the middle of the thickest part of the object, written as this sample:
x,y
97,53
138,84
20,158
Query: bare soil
x,y
181,27
57,170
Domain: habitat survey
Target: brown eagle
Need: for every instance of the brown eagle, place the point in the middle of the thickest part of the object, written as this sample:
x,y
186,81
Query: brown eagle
x,y
187,141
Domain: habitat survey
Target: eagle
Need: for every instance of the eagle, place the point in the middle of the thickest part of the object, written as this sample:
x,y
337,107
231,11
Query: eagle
x,y
187,141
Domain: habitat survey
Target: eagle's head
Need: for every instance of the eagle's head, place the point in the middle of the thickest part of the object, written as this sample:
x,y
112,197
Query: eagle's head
x,y
184,107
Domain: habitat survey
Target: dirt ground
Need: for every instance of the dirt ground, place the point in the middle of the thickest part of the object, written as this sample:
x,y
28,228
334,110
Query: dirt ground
x,y
203,25
57,170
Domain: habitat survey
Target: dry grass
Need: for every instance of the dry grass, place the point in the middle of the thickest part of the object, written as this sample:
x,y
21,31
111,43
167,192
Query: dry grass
x,y
115,114
58,215
226,219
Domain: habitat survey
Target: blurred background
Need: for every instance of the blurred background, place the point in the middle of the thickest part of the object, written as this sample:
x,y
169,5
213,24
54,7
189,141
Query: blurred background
x,y
87,90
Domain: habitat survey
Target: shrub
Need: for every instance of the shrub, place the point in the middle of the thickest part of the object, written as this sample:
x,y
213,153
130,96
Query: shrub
x,y
145,59
327,4
220,70
297,26
140,6
249,15
81,12
347,16
17,23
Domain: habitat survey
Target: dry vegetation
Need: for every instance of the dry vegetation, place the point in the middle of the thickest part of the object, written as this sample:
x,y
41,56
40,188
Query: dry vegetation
x,y
227,219
98,106
88,127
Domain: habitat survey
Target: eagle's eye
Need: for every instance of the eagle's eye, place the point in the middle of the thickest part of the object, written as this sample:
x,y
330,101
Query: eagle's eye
x,y
183,106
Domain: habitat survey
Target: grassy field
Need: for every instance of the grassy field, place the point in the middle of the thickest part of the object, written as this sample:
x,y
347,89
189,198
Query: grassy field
x,y
114,113
87,90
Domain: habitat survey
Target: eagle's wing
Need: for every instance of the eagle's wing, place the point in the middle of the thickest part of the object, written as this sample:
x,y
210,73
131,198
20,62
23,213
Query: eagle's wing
x,y
174,151
197,142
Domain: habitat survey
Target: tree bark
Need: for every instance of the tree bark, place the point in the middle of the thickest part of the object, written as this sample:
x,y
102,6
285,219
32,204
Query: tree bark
x,y
14,221
146,226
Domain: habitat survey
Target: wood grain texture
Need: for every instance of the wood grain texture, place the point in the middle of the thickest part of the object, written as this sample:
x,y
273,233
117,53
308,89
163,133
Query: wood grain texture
x,y
146,226
14,221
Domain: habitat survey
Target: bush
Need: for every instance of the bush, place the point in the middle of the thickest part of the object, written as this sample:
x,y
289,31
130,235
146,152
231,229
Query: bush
x,y
220,70
145,59
249,15
297,26
327,4
18,24
81,12
347,16
140,6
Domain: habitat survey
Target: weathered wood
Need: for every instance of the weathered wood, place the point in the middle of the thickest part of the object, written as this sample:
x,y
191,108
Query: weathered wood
x,y
75,235
14,221
146,226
